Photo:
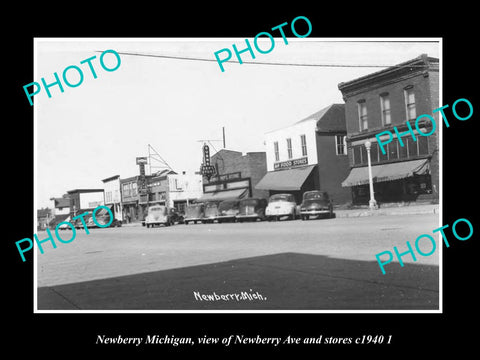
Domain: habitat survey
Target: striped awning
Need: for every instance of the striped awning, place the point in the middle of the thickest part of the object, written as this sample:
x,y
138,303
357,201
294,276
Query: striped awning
x,y
387,172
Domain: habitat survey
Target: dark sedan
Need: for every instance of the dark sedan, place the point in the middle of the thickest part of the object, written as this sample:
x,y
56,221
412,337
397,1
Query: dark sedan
x,y
315,204
252,209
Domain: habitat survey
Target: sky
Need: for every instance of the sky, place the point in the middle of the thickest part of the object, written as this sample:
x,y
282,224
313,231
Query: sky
x,y
97,129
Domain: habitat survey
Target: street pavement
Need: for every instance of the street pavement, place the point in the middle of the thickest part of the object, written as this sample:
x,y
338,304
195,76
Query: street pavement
x,y
325,264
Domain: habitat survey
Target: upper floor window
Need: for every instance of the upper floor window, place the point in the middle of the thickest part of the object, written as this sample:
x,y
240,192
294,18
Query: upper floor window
x,y
303,140
341,144
362,115
385,106
275,150
289,148
410,103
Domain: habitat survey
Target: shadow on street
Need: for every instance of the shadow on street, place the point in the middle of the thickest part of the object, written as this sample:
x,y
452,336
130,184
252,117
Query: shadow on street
x,y
286,281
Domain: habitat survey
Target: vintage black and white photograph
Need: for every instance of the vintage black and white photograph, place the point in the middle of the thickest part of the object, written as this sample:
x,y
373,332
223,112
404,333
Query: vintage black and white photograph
x,y
238,175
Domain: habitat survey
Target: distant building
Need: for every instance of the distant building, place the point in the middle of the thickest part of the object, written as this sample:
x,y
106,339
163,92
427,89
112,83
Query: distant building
x,y
236,176
379,101
61,210
164,188
113,198
311,154
82,200
44,216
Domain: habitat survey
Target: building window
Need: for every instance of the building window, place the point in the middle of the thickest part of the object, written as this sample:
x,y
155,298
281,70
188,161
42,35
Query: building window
x,y
275,149
410,103
126,189
357,155
385,106
289,148
393,150
303,140
422,145
341,144
362,116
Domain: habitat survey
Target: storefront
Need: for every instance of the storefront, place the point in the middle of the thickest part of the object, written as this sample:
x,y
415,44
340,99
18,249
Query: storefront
x,y
309,155
226,187
293,181
400,181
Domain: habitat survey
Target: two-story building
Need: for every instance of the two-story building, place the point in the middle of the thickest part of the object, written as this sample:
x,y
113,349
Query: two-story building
x,y
82,200
165,187
379,101
308,155
113,198
60,210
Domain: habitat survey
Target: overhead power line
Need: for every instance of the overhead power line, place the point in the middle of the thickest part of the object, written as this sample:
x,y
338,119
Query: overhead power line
x,y
267,63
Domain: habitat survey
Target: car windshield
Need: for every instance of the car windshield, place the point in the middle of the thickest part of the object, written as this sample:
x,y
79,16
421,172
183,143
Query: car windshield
x,y
315,195
281,197
227,205
211,205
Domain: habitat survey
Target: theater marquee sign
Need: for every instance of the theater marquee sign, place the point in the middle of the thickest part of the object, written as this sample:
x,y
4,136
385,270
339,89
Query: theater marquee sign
x,y
290,163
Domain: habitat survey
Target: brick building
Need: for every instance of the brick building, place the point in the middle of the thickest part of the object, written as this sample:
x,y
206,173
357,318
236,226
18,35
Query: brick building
x,y
309,155
379,101
236,175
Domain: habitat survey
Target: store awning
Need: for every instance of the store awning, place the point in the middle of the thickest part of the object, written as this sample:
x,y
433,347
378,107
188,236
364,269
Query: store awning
x,y
224,195
387,172
291,179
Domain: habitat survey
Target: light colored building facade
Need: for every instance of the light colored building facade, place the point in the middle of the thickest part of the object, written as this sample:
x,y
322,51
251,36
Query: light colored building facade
x,y
311,154
113,198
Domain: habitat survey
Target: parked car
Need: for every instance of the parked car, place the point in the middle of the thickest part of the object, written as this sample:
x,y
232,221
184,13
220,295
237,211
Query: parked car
x,y
194,213
176,216
228,210
103,218
79,224
211,212
316,203
281,205
158,215
252,209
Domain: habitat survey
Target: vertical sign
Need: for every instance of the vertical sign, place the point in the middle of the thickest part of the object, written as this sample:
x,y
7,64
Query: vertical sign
x,y
141,161
206,169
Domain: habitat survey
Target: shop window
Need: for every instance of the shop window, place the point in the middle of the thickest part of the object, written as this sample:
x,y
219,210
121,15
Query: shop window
x,y
393,150
412,147
383,157
357,155
374,153
364,154
422,145
402,150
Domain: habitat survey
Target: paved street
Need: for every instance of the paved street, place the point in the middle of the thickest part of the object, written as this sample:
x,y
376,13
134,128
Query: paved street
x,y
307,265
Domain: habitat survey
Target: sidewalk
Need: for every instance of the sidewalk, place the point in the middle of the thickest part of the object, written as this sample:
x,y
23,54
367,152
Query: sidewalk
x,y
390,210
387,209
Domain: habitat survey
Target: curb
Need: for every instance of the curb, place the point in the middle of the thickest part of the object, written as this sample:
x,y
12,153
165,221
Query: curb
x,y
383,212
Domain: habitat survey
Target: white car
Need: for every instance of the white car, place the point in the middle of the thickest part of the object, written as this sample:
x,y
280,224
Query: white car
x,y
281,205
